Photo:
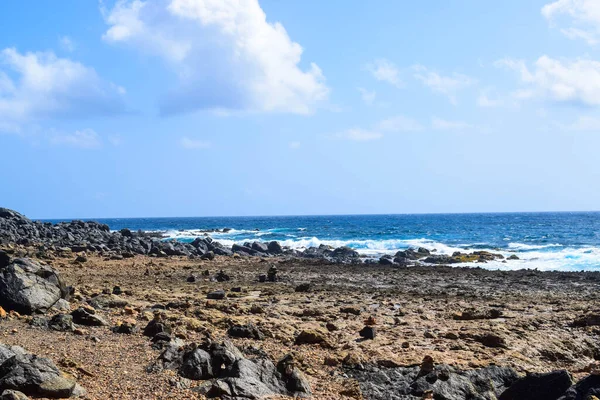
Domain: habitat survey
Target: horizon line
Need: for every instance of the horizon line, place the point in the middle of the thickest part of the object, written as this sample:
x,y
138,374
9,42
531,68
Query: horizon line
x,y
321,215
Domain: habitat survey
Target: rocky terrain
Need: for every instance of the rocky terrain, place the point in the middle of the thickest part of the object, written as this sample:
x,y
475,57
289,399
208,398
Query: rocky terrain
x,y
89,322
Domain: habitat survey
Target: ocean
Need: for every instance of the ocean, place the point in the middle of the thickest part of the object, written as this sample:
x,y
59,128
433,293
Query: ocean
x,y
568,241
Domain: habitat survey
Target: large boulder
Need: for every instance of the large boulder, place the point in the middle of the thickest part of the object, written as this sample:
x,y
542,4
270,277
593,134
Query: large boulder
x,y
234,376
32,375
28,287
548,386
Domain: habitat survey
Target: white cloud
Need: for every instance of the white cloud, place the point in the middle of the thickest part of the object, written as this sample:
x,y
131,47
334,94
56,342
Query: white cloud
x,y
67,44
295,145
584,16
360,135
400,123
227,56
46,86
385,71
445,125
486,100
449,86
573,81
84,139
367,96
193,144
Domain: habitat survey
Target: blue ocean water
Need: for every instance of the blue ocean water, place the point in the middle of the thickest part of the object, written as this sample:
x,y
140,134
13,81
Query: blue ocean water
x,y
546,241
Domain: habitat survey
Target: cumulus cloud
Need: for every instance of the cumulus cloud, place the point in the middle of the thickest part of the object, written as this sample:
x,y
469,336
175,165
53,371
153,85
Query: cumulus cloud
x,y
84,139
193,144
226,55
570,81
400,123
385,71
41,85
449,86
583,18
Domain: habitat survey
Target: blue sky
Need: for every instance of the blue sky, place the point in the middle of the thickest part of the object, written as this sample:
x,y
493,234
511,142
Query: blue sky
x,y
241,107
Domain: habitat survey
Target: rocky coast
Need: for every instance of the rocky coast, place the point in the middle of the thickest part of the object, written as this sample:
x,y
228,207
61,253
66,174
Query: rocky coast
x,y
96,314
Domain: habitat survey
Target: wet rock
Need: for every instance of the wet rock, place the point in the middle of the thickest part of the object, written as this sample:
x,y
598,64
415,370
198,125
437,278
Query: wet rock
x,y
209,255
27,286
216,295
274,248
87,317
247,331
548,386
386,260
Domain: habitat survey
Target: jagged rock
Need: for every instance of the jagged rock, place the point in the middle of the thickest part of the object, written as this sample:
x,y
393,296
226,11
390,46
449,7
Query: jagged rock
x,y
234,376
32,375
248,331
586,389
197,365
443,381
61,323
368,332
548,386
13,395
88,317
274,248
28,287
155,327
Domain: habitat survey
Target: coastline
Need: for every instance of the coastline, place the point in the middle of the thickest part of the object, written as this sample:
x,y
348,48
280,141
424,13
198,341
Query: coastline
x,y
354,329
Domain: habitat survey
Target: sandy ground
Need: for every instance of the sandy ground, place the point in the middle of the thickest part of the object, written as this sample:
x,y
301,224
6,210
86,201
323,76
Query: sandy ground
x,y
523,319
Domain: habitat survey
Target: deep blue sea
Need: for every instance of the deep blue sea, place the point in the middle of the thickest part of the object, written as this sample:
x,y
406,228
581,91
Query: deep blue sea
x,y
546,241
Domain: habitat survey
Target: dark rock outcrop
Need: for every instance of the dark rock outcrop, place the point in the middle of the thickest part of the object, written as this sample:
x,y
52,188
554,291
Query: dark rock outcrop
x,y
28,286
32,375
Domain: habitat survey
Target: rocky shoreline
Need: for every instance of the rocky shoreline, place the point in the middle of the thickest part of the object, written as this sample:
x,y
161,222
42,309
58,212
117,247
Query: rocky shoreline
x,y
259,324
90,236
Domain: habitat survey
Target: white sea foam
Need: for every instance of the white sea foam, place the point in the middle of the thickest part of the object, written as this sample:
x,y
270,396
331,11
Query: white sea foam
x,y
524,246
543,257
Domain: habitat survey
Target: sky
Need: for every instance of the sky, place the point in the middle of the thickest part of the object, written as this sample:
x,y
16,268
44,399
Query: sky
x,y
246,107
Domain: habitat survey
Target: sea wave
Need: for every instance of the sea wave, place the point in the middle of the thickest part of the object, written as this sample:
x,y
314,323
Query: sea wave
x,y
552,256
526,247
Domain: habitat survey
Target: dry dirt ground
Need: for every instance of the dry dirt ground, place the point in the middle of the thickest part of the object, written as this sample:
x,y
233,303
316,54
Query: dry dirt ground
x,y
467,317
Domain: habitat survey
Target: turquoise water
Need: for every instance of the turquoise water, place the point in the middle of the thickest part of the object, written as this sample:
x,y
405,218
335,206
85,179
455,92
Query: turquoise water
x,y
547,241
